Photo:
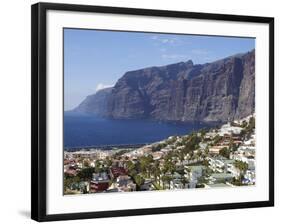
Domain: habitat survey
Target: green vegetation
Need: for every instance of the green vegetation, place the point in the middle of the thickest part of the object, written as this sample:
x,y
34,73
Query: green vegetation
x,y
158,147
225,152
170,166
217,139
139,180
242,166
120,153
86,173
69,180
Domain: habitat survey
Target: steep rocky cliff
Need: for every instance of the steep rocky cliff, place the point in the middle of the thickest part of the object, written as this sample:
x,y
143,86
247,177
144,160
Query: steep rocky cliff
x,y
96,103
218,91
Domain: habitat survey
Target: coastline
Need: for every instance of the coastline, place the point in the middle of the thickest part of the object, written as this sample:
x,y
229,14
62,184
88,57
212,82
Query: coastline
x,y
104,147
155,131
218,157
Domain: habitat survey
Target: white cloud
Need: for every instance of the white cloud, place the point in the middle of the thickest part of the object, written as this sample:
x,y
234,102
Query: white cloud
x,y
174,56
102,86
154,37
166,40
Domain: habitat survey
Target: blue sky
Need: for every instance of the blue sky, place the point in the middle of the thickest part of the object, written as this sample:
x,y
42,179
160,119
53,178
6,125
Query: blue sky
x,y
95,59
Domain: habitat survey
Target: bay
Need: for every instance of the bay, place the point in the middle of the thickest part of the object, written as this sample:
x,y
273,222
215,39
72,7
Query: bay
x,y
84,130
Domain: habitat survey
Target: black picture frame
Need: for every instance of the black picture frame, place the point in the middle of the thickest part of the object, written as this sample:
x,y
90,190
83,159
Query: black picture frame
x,y
39,122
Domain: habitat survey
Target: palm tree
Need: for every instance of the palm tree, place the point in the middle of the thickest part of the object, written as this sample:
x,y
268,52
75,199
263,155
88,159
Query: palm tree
x,y
156,170
143,165
108,161
97,166
180,155
166,179
169,166
131,168
139,180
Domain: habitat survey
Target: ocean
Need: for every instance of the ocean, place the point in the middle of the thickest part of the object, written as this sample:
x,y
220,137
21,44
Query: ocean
x,y
83,131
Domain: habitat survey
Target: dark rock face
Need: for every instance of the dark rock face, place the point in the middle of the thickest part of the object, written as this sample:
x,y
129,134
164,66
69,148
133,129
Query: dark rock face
x,y
218,91
96,103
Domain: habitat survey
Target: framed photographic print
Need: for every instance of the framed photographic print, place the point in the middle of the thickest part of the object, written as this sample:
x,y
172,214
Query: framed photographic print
x,y
139,111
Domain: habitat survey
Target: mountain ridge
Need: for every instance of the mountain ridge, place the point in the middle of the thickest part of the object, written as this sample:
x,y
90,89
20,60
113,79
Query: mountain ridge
x,y
219,91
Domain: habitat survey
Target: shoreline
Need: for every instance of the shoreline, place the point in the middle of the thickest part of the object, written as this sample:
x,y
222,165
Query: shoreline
x,y
105,147
221,157
209,125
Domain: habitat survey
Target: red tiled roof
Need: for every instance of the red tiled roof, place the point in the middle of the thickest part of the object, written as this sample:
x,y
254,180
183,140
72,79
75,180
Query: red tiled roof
x,y
117,171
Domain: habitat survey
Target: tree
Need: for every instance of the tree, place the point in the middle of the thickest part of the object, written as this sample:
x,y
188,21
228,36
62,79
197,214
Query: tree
x,y
118,154
67,182
145,162
139,180
156,171
99,166
242,166
244,124
86,173
225,152
251,124
181,156
242,133
86,163
108,161
158,147
166,179
169,166
234,147
131,168
205,162
203,132
217,139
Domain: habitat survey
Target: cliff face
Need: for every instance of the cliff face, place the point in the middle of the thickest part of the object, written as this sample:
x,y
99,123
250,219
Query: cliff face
x,y
96,103
216,91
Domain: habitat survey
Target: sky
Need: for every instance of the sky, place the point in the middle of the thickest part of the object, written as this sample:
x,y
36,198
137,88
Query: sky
x,y
95,59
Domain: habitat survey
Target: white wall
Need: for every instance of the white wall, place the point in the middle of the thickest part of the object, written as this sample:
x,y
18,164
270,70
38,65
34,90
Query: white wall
x,y
15,109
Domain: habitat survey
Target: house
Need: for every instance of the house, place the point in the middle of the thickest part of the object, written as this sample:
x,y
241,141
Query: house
x,y
117,171
193,173
221,165
82,187
203,145
99,182
125,183
176,182
245,154
146,150
70,170
228,129
230,168
221,177
215,150
249,178
157,155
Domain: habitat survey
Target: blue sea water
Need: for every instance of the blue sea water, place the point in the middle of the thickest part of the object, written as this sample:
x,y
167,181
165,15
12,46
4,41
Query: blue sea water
x,y
82,130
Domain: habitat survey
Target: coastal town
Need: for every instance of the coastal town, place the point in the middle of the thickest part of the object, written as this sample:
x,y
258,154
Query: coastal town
x,y
223,156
